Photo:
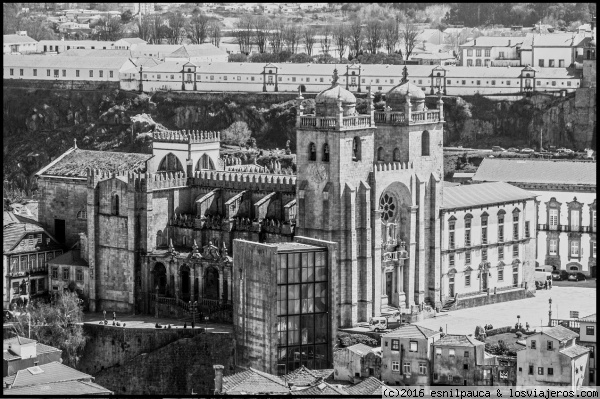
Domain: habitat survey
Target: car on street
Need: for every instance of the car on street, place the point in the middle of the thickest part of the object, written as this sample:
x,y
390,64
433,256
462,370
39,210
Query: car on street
x,y
568,151
561,149
560,275
513,149
576,276
527,151
498,149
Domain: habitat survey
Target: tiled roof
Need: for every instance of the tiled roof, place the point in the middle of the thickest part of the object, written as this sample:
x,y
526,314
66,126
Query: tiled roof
x,y
133,40
303,376
494,41
77,43
203,50
17,341
457,340
588,319
60,388
560,333
574,351
14,232
322,388
41,348
10,39
557,39
360,349
8,218
75,52
370,386
472,195
74,162
71,258
253,381
52,372
411,331
542,171
47,61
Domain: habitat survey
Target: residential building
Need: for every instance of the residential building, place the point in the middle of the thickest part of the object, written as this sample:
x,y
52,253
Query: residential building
x,y
249,382
70,271
500,51
488,243
552,358
28,248
18,43
194,53
566,207
20,353
60,46
587,338
51,379
557,50
407,355
499,370
357,362
459,360
303,377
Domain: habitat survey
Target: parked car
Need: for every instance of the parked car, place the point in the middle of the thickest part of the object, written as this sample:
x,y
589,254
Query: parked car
x,y
560,275
556,275
561,149
513,149
527,151
498,149
568,151
576,276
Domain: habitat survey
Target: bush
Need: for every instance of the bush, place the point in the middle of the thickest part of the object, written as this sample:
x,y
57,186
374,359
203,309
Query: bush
x,y
346,340
238,57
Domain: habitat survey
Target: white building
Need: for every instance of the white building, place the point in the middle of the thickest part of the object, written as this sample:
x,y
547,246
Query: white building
x,y
59,46
128,43
556,50
566,202
18,44
491,51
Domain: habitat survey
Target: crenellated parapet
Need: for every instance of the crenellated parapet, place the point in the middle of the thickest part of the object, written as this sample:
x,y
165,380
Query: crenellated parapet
x,y
136,179
385,166
160,181
187,136
245,181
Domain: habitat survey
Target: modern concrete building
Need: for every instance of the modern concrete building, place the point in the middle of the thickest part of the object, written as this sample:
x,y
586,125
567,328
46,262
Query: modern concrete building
x,y
20,353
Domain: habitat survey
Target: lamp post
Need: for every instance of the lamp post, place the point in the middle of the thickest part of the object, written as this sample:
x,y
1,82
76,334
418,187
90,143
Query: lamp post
x,y
550,312
518,320
156,303
193,308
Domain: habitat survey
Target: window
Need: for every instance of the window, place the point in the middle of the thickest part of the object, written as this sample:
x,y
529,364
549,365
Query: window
x,y
449,81
508,82
540,371
47,72
468,257
478,62
293,79
356,149
20,72
500,253
561,63
101,73
593,220
515,231
79,275
91,74
55,272
541,63
589,330
568,83
466,353
451,259
549,345
526,229
420,81
500,275
465,366
325,152
39,238
533,344
552,246
493,83
488,52
574,248
423,368
531,369
110,74
479,83
468,280
391,81
425,143
469,62
35,72
478,52
320,80
413,346
312,152
515,250
115,205
467,237
451,352
438,351
395,344
406,368
484,235
500,54
550,371
380,154
65,273
395,366
593,251
551,64
484,254
452,240
225,78
470,52
574,219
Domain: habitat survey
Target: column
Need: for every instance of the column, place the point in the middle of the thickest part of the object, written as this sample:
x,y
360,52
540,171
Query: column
x,y
221,279
177,280
400,285
383,286
420,291
201,281
193,278
410,284
229,285
377,265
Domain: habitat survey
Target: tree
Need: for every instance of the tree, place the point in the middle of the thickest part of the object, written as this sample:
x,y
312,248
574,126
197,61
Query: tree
x,y
391,35
109,28
308,35
237,58
37,28
325,39
409,37
126,16
291,37
176,30
373,34
244,34
198,28
261,33
301,58
276,37
58,325
145,27
238,133
214,32
341,38
356,35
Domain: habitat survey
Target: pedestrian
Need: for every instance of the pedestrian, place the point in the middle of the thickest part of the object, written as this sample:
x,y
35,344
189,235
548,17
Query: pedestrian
x,y
545,285
104,312
192,325
114,315
527,326
441,329
550,284
184,325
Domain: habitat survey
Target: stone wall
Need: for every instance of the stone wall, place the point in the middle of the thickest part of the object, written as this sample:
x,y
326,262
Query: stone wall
x,y
61,85
482,300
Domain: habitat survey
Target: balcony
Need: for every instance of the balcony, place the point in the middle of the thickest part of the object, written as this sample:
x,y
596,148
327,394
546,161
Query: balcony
x,y
333,123
399,118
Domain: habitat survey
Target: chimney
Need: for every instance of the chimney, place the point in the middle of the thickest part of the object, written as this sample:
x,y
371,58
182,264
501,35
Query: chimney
x,y
218,378
474,42
83,246
509,42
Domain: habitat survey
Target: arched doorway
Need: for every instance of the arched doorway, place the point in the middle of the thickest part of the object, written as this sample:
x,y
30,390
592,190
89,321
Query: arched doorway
x,y
160,278
211,283
185,283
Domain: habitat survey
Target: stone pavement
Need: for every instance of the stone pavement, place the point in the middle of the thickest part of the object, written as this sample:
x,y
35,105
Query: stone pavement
x,y
532,310
148,321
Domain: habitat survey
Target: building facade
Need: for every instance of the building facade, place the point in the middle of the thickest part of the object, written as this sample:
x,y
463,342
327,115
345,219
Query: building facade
x,y
493,51
357,362
587,338
459,360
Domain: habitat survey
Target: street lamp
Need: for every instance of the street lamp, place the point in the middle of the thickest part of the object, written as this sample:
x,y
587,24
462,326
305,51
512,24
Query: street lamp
x,y
518,320
193,308
550,312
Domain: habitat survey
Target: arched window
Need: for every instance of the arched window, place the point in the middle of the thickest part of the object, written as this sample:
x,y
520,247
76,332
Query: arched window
x,y
396,155
170,163
312,152
425,143
325,152
356,149
380,154
82,214
115,205
205,162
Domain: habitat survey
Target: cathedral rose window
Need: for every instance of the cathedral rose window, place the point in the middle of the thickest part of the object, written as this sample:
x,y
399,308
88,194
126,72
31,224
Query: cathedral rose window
x,y
387,206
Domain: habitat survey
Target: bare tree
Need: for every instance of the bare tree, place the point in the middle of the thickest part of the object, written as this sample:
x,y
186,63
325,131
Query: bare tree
x,y
341,38
356,35
158,23
276,37
291,37
110,28
374,34
144,25
198,29
391,35
176,30
325,39
409,37
308,35
261,32
244,34
214,33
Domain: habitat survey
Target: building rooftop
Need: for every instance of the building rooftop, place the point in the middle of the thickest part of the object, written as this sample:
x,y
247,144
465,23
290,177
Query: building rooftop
x,y
473,195
574,351
17,39
370,386
411,331
48,61
320,389
557,39
71,258
360,349
539,171
133,40
44,374
60,388
13,233
17,340
494,41
560,333
255,382
458,340
303,376
588,319
75,161
294,246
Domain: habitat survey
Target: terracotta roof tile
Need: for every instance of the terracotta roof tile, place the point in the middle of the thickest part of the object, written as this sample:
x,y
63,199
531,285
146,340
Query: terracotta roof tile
x,y
322,388
60,388
472,195
370,386
411,331
305,377
71,258
253,381
588,319
457,340
51,372
360,349
560,333
574,351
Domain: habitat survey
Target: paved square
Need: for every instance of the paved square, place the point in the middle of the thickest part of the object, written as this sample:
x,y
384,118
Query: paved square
x,y
532,310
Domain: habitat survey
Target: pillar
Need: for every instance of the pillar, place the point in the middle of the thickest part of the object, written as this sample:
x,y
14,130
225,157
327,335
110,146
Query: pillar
x,y
229,287
400,285
420,290
410,284
377,266
193,278
221,279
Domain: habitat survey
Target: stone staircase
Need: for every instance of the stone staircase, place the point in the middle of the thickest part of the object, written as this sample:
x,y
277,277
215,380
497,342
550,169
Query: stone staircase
x,y
448,305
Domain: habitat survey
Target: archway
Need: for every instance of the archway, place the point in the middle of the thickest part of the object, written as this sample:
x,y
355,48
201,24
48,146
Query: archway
x,y
211,283
160,278
185,283
205,162
170,163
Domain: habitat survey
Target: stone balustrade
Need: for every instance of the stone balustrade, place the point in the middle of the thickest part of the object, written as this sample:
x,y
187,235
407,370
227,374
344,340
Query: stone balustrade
x,y
333,123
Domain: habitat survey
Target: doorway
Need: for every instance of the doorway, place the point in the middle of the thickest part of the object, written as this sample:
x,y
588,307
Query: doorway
x,y
59,230
451,287
388,287
484,280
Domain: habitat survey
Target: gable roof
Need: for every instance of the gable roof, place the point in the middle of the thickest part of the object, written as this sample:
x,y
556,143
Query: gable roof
x,y
542,171
71,258
574,351
494,41
557,39
17,340
323,388
472,195
360,349
74,162
253,381
13,233
411,331
60,388
560,333
458,340
370,386
10,39
588,319
51,372
305,377
133,40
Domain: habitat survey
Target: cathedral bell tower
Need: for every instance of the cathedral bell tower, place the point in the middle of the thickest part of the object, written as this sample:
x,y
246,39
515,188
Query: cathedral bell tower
x,y
335,150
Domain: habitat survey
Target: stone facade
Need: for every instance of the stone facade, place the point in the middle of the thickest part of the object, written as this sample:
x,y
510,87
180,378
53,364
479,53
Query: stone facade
x,y
357,362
